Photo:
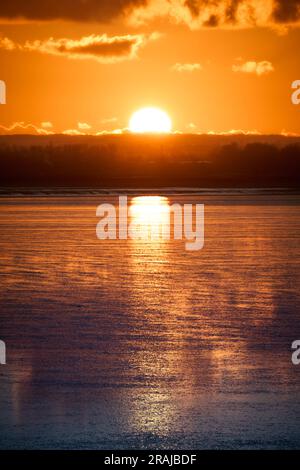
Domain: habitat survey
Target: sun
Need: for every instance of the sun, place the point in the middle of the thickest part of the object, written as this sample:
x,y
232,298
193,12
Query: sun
x,y
152,120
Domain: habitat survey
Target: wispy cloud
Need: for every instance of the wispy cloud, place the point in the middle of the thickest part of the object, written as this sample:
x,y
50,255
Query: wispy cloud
x,y
104,49
191,127
47,128
46,125
109,120
114,132
259,68
8,44
73,132
24,128
233,132
186,67
84,126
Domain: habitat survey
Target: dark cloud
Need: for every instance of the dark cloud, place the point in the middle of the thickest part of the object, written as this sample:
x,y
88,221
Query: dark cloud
x,y
193,6
231,11
212,21
74,10
286,11
97,47
196,13
235,12
218,13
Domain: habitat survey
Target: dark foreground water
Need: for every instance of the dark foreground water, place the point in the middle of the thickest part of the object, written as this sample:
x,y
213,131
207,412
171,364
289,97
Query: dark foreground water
x,y
141,344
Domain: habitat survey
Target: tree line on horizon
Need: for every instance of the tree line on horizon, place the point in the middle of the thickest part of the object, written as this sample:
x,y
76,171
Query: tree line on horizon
x,y
112,165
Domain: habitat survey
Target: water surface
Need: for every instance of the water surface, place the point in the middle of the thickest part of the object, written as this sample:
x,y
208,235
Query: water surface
x,y
141,344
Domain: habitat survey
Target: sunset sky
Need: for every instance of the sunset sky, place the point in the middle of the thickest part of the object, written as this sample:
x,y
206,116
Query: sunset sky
x,y
85,66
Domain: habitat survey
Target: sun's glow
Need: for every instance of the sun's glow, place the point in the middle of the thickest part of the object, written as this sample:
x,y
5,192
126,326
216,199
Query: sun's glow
x,y
150,120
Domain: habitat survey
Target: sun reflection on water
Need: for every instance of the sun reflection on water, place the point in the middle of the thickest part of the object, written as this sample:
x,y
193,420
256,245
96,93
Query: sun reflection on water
x,y
150,216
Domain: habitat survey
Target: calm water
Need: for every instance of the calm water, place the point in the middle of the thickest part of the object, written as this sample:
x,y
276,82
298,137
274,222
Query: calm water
x,y
141,344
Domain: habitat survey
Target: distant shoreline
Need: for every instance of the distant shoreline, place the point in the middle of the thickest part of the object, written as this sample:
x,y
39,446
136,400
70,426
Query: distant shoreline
x,y
149,163
181,191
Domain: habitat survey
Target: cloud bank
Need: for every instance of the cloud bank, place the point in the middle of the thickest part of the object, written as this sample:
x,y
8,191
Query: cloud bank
x,y
70,10
195,13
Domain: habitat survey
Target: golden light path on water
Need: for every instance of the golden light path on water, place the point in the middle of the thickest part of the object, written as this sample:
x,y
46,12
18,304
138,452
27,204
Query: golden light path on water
x,y
150,258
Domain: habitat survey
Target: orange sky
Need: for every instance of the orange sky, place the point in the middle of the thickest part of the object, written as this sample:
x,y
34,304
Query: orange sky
x,y
213,66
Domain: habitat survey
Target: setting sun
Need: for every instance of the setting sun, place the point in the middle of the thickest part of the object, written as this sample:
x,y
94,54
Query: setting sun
x,y
150,120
